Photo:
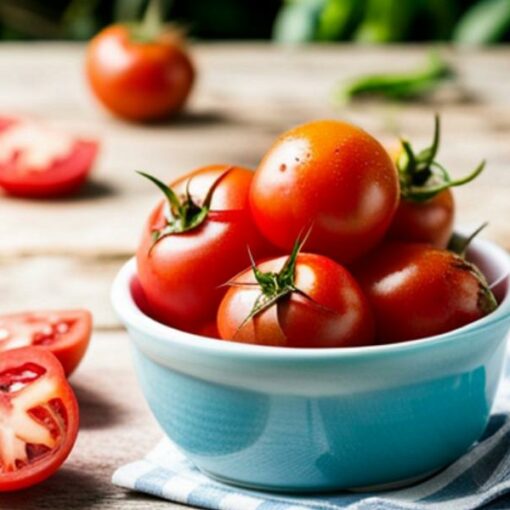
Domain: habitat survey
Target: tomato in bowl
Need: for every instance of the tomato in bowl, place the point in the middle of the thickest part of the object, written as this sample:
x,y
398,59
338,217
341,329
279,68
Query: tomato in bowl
x,y
314,419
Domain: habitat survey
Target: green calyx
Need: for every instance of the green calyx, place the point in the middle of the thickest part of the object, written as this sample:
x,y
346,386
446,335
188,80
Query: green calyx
x,y
421,176
185,213
151,26
459,243
275,287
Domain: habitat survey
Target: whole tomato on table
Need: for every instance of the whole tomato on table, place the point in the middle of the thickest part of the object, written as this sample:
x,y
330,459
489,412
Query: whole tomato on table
x,y
332,176
426,211
304,300
38,161
140,71
38,417
193,243
66,333
417,291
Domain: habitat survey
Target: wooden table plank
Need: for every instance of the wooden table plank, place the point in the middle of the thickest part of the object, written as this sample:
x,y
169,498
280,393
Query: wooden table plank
x,y
245,96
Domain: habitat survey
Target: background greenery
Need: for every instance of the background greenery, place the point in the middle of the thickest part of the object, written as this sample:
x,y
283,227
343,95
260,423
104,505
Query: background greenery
x,y
366,21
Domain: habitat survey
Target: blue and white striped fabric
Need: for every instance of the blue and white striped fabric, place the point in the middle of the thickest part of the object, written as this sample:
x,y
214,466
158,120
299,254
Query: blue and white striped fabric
x,y
481,478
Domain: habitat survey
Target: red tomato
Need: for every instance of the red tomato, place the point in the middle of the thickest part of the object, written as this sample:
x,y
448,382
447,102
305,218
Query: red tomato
x,y
38,417
182,273
37,161
65,333
426,210
327,310
331,175
139,80
418,291
428,222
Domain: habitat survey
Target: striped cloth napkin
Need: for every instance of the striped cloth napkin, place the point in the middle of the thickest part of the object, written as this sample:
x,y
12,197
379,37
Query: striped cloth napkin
x,y
481,478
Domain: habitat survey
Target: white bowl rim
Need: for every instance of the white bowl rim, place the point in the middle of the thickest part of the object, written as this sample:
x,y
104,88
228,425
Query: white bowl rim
x,y
132,317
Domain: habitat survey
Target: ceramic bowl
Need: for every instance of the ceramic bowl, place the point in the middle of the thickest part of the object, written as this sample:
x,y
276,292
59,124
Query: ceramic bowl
x,y
298,420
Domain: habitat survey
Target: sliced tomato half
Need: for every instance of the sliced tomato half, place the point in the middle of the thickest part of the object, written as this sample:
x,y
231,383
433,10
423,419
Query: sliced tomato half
x,y
38,417
66,333
38,161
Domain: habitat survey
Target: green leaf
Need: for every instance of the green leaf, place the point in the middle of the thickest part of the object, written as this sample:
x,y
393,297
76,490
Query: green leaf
x,y
486,22
386,21
297,21
338,18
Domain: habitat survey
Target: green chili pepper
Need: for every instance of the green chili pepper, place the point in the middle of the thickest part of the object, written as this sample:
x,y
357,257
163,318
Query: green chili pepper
x,y
398,86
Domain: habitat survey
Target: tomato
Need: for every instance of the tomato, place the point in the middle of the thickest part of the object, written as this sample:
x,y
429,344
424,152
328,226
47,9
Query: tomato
x,y
429,222
38,161
306,300
38,417
139,79
418,291
331,175
65,333
186,257
426,210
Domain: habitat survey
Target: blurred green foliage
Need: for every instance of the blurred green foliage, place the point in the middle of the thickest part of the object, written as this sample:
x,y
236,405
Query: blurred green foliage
x,y
367,21
384,21
80,19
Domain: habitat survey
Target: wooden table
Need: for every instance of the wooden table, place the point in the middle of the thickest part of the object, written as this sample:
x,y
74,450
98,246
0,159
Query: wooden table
x,y
65,253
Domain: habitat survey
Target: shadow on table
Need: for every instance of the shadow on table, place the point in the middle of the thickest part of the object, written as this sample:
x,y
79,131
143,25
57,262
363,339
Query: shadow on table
x,y
93,189
193,119
96,411
68,488
90,190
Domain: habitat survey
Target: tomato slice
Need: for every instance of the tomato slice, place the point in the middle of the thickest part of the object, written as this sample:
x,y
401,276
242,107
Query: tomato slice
x,y
38,417
65,333
39,161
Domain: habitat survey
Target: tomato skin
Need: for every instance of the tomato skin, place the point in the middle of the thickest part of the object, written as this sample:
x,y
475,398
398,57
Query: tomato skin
x,y
428,222
42,328
340,317
183,276
139,81
62,177
41,468
333,176
417,291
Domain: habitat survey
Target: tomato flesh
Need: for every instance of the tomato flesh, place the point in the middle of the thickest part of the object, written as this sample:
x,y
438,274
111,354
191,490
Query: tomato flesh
x,y
38,417
39,162
65,333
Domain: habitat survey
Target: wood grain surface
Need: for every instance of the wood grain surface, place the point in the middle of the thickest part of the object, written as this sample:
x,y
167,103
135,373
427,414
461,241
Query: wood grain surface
x,y
65,253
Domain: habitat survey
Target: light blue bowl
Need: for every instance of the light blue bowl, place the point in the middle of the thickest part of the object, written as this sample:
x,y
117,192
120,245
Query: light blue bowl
x,y
298,420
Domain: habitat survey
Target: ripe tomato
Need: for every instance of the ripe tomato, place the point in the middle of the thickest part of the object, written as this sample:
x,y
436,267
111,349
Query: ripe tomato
x,y
429,222
332,175
186,256
139,79
418,291
38,417
65,333
38,161
305,300
426,210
